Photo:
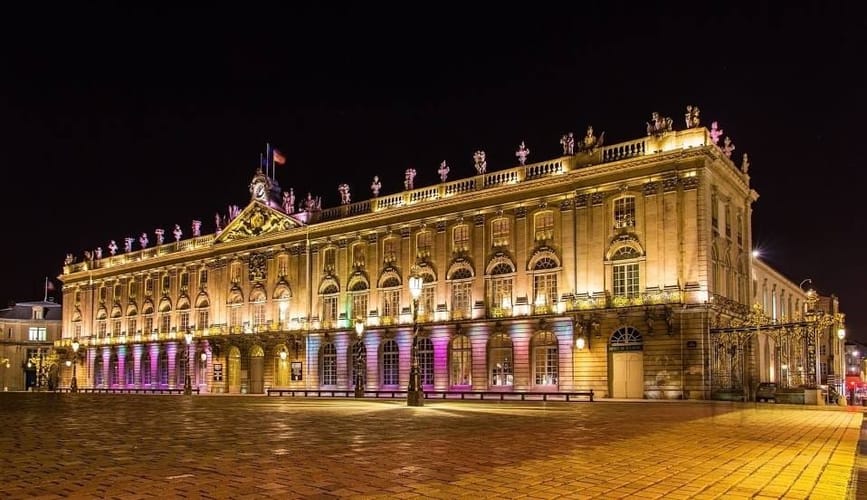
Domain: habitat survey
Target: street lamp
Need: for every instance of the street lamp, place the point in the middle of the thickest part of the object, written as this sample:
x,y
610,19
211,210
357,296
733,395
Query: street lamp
x,y
73,385
359,380
414,394
188,385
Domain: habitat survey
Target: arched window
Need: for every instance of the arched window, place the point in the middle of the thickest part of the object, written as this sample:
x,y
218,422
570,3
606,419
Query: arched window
x,y
113,370
359,294
129,370
625,278
328,364
545,284
425,353
500,360
163,368
500,288
357,363
461,362
281,365
626,338
258,302
328,297
545,360
145,367
98,374
390,363
461,278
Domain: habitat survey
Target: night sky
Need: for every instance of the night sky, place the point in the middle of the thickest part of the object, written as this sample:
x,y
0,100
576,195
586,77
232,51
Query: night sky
x,y
118,120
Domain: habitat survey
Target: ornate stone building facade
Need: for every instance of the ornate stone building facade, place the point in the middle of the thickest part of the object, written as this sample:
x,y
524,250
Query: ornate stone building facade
x,y
603,269
28,330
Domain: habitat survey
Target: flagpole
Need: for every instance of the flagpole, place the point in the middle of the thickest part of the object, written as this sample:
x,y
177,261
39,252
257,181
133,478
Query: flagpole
x,y
267,163
45,297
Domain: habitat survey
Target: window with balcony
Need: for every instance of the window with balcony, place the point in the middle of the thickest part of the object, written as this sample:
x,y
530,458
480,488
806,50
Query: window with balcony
x,y
500,232
462,301
500,289
461,238
543,225
626,277
624,212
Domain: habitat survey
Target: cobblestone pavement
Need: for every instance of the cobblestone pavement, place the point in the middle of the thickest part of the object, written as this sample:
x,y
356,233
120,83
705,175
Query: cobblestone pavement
x,y
143,446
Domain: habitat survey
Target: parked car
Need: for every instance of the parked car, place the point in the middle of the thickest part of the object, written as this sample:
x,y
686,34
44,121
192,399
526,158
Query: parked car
x,y
766,391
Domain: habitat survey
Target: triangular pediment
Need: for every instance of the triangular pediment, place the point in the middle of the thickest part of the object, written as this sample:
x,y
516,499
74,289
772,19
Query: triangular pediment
x,y
256,220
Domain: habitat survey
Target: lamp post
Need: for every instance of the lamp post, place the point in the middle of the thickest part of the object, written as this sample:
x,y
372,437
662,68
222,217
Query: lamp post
x,y
414,394
359,379
188,385
841,374
73,385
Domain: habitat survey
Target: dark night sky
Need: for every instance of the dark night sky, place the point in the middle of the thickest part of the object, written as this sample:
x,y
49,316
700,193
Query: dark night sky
x,y
119,120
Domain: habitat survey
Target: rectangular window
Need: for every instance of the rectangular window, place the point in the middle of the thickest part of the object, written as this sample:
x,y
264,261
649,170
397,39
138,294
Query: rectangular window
x,y
390,365
500,232
424,243
461,299
165,322
259,313
149,286
37,334
116,292
714,213
329,367
626,280
101,329
358,255
115,327
329,259
235,275
329,310
461,238
545,365
203,279
235,315
728,216
389,250
501,293
149,324
391,304
544,226
501,366
102,293
76,331
185,280
131,325
624,212
359,306
133,289
184,320
740,229
426,303
166,283
203,320
282,266
544,292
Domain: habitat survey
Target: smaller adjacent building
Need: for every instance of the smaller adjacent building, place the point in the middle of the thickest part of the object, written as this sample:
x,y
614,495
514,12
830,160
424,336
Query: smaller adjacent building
x,y
27,359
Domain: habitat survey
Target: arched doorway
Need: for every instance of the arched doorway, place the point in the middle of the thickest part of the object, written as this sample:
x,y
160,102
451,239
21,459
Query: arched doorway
x,y
234,361
627,363
257,370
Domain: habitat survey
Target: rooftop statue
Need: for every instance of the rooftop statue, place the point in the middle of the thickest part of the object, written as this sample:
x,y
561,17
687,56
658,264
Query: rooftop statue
x,y
408,179
197,228
480,162
443,171
568,143
375,186
68,260
143,240
160,238
127,244
728,147
715,132
745,164
659,125
218,221
345,197
289,201
522,153
97,253
112,247
590,141
691,117
177,232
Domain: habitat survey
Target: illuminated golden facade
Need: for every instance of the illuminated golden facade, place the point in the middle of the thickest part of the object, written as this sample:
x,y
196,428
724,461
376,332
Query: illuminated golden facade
x,y
595,270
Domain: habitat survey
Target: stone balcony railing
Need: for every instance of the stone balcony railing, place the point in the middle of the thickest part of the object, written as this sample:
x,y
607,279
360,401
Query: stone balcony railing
x,y
684,139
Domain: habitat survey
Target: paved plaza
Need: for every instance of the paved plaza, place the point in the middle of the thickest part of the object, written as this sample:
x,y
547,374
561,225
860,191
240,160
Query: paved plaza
x,y
145,446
